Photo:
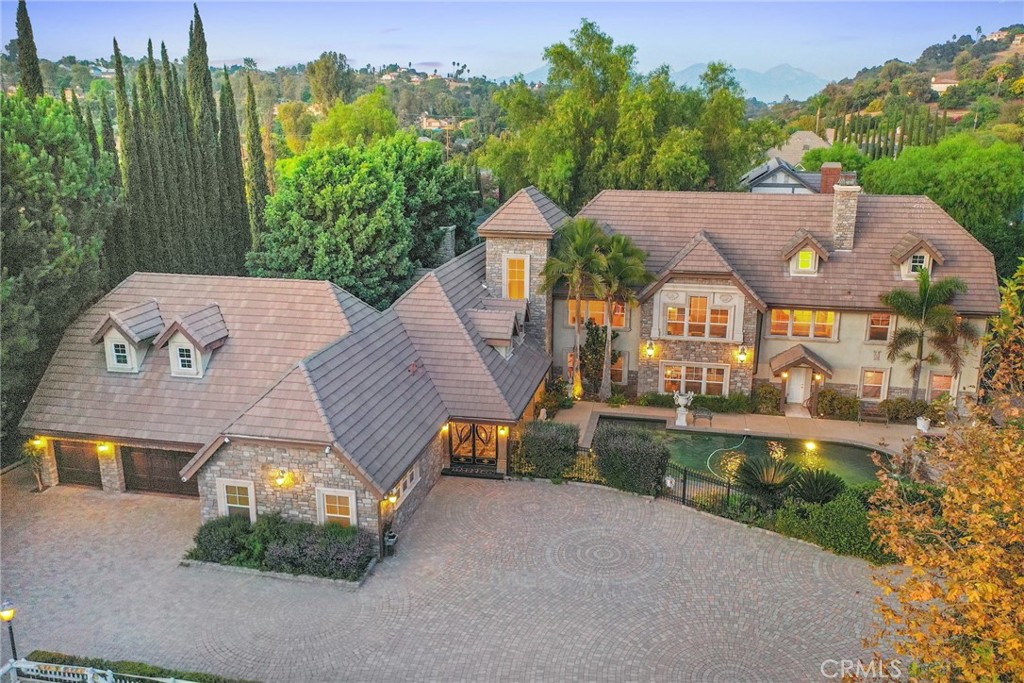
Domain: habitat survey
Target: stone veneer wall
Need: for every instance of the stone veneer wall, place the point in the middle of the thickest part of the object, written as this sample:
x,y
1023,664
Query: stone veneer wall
x,y
720,353
540,304
310,468
112,471
49,474
432,461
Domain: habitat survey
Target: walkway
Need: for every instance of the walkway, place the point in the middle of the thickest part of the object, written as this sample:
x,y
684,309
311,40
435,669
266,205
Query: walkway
x,y
512,581
889,438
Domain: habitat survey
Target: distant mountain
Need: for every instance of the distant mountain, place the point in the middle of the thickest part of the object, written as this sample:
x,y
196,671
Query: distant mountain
x,y
767,86
538,75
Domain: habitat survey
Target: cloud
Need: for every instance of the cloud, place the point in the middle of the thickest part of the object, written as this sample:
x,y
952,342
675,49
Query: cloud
x,y
391,29
430,65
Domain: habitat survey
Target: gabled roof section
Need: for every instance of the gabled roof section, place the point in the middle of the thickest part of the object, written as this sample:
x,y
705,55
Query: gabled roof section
x,y
760,174
801,238
289,407
528,213
701,257
137,323
204,327
799,355
496,327
910,244
521,307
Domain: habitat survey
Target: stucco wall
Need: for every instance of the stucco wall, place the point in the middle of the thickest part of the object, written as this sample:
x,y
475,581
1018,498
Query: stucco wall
x,y
850,352
540,304
564,336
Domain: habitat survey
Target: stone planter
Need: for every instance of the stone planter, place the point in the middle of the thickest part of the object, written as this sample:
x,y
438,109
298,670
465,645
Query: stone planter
x,y
923,424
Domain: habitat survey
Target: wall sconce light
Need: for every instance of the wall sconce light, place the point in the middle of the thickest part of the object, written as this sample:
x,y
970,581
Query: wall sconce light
x,y
104,448
444,428
282,477
502,431
817,377
392,497
785,375
38,442
650,349
742,355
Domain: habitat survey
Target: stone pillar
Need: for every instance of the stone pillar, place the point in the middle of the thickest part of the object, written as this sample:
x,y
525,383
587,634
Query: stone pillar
x,y
49,465
447,251
112,471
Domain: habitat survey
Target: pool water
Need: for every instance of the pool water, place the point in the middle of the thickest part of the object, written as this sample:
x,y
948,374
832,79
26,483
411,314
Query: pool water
x,y
707,450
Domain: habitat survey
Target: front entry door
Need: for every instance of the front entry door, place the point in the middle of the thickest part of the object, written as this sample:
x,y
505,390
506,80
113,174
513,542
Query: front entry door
x,y
799,388
473,444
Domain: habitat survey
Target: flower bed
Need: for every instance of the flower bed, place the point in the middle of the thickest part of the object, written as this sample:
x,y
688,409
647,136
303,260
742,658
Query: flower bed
x,y
276,545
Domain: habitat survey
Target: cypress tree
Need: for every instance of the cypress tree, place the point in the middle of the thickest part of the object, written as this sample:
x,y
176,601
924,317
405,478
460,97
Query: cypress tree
x,y
144,230
90,131
945,122
184,152
76,111
28,58
235,215
107,133
161,212
256,187
135,238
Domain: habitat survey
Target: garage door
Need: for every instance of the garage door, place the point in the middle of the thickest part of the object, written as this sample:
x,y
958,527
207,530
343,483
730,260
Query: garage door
x,y
150,469
77,463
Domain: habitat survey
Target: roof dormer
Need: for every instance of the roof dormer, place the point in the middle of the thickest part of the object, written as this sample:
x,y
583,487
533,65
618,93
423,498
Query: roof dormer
x,y
913,254
192,338
126,333
502,329
804,253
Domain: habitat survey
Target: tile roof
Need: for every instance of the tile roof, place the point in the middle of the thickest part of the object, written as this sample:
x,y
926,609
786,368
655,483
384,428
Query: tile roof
x,y
911,243
494,326
137,323
798,144
760,174
521,307
273,323
800,239
750,230
528,212
204,327
794,356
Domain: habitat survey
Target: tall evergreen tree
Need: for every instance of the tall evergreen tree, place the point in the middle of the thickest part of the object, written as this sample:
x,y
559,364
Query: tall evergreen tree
x,y
162,211
256,188
28,58
90,131
107,134
235,213
76,110
144,230
184,153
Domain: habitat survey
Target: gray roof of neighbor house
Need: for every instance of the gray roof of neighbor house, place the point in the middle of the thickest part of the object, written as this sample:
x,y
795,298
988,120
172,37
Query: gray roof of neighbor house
x,y
751,231
379,394
528,212
760,174
272,323
799,143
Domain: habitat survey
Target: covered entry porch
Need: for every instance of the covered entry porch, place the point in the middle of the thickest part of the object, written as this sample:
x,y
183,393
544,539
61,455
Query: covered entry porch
x,y
476,449
802,374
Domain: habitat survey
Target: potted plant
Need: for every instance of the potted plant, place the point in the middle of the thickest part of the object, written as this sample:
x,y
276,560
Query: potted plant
x,y
924,423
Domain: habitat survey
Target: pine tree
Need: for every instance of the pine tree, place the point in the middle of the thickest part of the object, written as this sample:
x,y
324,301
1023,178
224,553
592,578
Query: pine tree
x,y
199,87
90,131
76,111
235,213
28,58
256,188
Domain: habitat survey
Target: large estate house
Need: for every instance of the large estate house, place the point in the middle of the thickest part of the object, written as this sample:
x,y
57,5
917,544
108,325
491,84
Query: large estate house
x,y
263,395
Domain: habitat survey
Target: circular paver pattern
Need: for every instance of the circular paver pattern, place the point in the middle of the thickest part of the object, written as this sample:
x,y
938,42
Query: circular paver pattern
x,y
602,555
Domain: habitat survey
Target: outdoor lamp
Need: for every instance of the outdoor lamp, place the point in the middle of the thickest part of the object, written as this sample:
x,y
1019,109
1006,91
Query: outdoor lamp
x,y
7,612
742,355
817,377
503,431
392,497
282,477
785,375
650,349
810,445
38,443
103,448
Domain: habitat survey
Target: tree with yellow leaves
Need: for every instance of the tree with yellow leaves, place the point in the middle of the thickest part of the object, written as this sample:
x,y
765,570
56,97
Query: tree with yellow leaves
x,y
955,606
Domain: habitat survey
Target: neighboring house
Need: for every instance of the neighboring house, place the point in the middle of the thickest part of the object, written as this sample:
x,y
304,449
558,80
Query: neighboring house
x,y
777,176
944,81
798,144
263,395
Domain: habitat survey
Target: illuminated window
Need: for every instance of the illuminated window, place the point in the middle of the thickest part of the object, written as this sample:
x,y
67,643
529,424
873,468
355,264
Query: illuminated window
x,y
803,323
120,354
515,278
618,314
719,326
700,379
878,326
698,321
807,261
336,506
939,384
675,321
824,324
780,322
872,384
570,364
618,370
590,310
235,498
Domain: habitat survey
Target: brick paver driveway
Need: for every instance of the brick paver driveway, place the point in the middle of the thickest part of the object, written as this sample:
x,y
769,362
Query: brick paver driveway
x,y
494,581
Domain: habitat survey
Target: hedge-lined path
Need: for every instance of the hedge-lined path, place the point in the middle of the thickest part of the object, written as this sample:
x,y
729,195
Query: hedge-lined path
x,y
494,581
891,438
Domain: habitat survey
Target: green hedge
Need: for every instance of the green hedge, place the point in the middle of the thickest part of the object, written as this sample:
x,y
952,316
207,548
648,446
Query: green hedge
x,y
656,400
274,544
548,449
631,458
903,409
126,667
840,526
733,403
837,406
766,398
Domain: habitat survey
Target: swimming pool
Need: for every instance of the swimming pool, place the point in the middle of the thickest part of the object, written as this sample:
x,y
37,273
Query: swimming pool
x,y
706,450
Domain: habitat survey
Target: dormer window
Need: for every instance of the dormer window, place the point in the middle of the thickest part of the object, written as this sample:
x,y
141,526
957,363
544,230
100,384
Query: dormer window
x,y
805,262
918,262
914,254
191,340
804,252
126,333
185,360
120,353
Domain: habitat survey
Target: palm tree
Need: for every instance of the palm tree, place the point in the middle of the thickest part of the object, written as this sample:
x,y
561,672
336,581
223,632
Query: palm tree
x,y
578,260
930,317
623,270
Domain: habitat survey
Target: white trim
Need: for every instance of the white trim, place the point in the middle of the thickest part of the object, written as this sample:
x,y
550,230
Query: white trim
x,y
585,309
407,483
179,342
885,384
730,324
953,382
222,495
906,268
867,327
134,357
794,263
704,379
789,329
526,274
322,491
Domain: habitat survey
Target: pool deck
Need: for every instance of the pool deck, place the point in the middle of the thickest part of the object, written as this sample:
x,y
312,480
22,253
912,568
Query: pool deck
x,y
890,439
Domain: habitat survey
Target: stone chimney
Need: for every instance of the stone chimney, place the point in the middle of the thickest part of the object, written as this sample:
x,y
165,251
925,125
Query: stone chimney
x,y
447,250
831,171
844,215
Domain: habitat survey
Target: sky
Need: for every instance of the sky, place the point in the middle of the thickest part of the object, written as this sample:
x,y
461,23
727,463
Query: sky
x,y
829,39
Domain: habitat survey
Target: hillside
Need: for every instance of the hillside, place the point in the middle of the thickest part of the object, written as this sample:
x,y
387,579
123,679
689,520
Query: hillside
x,y
772,85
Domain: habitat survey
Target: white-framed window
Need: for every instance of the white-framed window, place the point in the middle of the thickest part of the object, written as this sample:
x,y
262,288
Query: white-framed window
x,y
803,323
939,383
120,353
915,264
879,327
407,483
335,506
874,385
517,277
805,262
184,360
236,498
618,370
595,310
710,380
697,320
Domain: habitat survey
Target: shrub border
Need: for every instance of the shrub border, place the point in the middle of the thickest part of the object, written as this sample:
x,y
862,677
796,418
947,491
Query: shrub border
x,y
284,576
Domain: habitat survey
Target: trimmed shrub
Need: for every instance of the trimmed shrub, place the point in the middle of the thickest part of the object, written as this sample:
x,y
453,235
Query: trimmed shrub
x,y
766,399
549,448
818,486
556,396
126,667
617,400
656,400
837,406
767,478
631,458
220,540
840,526
733,403
903,409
